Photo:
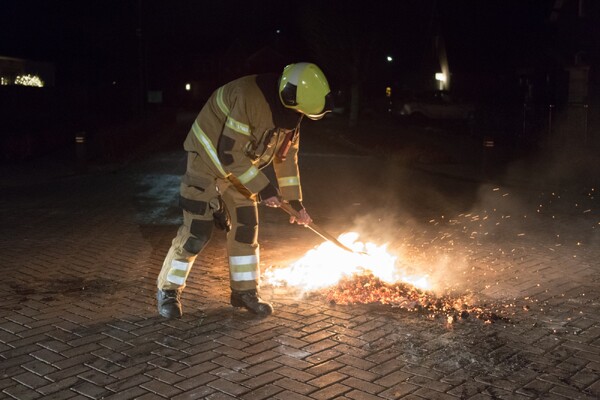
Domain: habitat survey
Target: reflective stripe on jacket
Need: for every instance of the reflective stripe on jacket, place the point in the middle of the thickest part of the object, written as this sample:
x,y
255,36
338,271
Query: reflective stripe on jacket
x,y
240,130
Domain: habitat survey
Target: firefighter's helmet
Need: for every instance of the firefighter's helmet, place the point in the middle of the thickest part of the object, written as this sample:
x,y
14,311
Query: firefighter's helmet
x,y
304,88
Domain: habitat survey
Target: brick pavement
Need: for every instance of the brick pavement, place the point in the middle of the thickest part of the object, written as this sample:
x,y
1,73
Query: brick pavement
x,y
79,257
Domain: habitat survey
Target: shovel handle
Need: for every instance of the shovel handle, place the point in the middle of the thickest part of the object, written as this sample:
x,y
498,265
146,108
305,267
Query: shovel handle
x,y
315,228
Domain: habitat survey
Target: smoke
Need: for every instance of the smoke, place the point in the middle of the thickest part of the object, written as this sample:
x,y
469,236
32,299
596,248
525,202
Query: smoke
x,y
482,235
469,230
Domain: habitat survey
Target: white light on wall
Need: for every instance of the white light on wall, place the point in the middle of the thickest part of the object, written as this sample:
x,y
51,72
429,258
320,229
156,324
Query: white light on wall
x,y
389,58
188,87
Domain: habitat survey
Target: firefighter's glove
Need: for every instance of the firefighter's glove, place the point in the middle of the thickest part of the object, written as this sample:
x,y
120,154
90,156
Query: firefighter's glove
x,y
273,201
269,196
302,218
221,217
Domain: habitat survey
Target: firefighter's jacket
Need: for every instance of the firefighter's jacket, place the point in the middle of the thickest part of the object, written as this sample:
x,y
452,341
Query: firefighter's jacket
x,y
241,129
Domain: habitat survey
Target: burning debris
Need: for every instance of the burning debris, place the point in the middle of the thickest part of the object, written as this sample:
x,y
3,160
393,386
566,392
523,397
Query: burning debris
x,y
368,289
345,278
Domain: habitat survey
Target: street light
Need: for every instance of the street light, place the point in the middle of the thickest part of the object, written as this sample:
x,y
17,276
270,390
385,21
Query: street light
x,y
441,78
389,58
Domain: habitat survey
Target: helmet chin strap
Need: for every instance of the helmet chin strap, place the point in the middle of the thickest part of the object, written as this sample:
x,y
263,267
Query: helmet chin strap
x,y
316,117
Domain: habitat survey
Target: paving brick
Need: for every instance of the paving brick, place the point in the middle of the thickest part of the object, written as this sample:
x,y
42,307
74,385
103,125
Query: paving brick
x,y
430,383
230,363
12,327
355,362
21,392
160,388
295,386
261,380
47,356
293,362
231,352
129,382
63,394
264,392
322,356
58,385
433,395
198,369
330,391
386,367
90,390
318,336
261,357
287,395
327,379
232,342
363,385
319,346
259,369
315,324
164,376
227,387
196,393
80,350
393,378
468,389
288,341
292,351
229,375
127,394
30,380
324,368
358,395
39,368
195,381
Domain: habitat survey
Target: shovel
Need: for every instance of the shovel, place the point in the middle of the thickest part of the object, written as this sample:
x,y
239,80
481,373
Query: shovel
x,y
318,230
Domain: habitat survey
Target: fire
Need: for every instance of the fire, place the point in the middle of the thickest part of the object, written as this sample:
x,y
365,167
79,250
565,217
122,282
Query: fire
x,y
327,264
371,274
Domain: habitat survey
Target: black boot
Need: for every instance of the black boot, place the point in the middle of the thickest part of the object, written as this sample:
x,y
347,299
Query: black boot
x,y
250,301
169,303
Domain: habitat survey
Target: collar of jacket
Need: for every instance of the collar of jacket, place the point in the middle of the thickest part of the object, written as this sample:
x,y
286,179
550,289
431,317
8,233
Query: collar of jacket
x,y
282,117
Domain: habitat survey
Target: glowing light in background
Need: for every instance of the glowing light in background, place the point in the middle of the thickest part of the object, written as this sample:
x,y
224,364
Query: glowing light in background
x,y
188,87
29,80
441,78
4,81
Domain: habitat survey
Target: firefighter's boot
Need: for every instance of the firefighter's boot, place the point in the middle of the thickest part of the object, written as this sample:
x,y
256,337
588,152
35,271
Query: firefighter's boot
x,y
169,303
250,301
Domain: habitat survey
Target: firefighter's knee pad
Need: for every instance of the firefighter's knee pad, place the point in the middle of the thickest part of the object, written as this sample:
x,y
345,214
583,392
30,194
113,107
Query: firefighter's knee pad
x,y
246,230
200,232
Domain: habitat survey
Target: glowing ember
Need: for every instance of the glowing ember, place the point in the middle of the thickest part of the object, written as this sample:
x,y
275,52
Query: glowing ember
x,y
327,264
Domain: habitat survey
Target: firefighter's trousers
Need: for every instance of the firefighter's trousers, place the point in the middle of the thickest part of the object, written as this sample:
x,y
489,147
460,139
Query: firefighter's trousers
x,y
199,198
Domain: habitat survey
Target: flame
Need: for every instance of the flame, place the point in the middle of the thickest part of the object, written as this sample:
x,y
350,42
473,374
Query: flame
x,y
326,264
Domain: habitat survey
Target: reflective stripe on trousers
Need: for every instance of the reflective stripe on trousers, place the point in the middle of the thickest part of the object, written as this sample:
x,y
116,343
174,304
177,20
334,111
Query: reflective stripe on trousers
x,y
243,255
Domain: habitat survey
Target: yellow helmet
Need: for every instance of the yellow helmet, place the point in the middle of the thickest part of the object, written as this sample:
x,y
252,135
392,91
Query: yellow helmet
x,y
304,88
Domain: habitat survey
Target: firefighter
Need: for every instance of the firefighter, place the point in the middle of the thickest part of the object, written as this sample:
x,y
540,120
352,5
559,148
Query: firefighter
x,y
245,125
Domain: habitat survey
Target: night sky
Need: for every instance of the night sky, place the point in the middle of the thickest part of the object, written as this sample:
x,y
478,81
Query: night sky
x,y
479,34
